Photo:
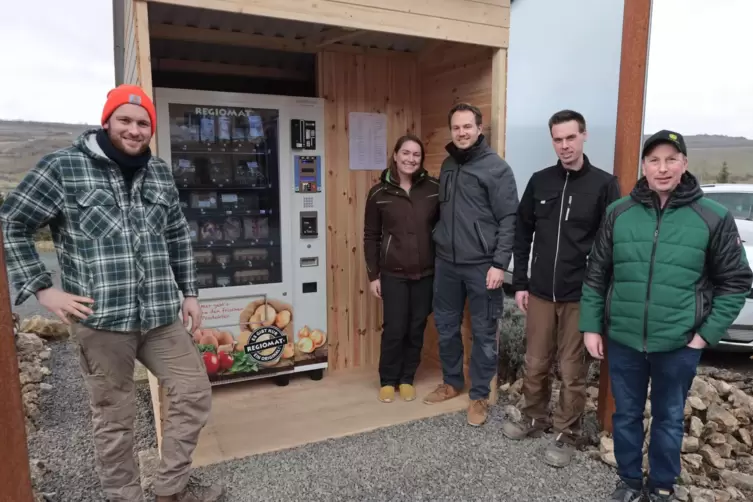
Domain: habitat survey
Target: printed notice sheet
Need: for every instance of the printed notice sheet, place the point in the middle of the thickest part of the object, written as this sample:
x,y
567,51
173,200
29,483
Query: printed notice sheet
x,y
368,141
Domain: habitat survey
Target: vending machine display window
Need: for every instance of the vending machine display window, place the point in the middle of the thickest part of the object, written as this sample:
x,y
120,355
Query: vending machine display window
x,y
225,163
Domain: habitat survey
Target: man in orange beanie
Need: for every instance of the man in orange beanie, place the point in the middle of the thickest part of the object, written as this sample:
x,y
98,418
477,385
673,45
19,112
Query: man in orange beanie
x,y
126,257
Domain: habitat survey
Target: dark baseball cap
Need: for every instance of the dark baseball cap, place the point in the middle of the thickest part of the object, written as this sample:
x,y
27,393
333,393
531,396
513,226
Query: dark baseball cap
x,y
664,136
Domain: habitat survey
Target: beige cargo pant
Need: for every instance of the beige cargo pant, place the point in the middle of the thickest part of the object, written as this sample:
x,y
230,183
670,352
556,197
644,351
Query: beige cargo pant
x,y
107,363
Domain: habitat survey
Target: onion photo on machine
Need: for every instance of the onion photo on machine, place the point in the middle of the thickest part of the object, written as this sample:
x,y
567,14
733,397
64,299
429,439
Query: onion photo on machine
x,y
248,170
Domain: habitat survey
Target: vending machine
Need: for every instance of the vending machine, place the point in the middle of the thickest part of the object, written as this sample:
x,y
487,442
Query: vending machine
x,y
248,169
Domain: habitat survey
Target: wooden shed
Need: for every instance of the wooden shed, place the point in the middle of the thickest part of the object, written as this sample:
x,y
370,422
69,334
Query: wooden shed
x,y
409,59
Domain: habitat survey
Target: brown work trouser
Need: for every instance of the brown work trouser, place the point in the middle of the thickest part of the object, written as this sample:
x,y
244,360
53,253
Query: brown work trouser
x,y
552,330
107,363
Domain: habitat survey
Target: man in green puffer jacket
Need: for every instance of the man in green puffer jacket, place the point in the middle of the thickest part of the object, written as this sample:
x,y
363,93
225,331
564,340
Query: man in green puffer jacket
x,y
667,276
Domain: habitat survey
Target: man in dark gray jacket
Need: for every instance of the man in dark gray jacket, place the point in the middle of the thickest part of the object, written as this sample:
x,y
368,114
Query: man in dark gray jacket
x,y
478,200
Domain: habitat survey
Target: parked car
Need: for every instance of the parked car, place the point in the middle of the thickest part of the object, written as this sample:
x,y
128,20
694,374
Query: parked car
x,y
738,199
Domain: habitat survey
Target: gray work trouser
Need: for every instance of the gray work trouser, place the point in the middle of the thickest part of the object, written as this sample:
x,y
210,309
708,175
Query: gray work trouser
x,y
452,285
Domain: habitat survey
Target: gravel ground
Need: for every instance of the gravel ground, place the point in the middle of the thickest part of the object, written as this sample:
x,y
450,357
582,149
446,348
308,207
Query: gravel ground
x,y
63,439
437,459
441,458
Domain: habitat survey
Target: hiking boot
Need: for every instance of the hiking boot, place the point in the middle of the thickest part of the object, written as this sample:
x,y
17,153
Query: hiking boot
x,y
407,392
195,491
527,427
387,394
478,412
442,393
624,493
662,495
560,451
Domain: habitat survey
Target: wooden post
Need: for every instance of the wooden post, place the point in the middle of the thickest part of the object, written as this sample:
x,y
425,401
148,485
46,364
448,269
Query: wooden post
x,y
497,141
15,477
630,105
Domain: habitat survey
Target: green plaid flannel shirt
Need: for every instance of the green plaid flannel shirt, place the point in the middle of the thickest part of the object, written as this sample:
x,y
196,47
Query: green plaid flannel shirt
x,y
131,255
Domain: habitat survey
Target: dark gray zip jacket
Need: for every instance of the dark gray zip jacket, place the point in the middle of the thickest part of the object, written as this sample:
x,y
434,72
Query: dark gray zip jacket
x,y
478,200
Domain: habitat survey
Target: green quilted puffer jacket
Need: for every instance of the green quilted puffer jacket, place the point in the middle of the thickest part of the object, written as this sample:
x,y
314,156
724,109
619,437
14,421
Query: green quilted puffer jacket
x,y
656,277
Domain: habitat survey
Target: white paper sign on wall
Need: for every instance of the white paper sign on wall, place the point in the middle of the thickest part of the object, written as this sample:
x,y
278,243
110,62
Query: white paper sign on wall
x,y
367,141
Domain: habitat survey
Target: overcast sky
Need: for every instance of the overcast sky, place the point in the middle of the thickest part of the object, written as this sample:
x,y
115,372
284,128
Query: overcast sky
x,y
699,79
700,76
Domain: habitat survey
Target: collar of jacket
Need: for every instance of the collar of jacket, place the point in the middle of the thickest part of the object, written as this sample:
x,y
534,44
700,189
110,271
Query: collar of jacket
x,y
387,178
470,153
122,159
88,144
573,173
688,191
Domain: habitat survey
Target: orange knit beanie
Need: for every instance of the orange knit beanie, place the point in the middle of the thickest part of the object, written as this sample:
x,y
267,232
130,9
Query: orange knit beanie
x,y
129,94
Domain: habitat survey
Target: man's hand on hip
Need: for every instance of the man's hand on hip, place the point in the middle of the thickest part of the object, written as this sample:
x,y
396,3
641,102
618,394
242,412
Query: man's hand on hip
x,y
521,298
192,310
494,278
63,304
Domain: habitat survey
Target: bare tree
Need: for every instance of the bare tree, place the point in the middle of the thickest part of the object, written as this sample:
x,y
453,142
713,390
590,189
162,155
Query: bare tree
x,y
723,175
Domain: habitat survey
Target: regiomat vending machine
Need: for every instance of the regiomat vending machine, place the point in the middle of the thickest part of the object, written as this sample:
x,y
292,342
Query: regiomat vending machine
x,y
248,169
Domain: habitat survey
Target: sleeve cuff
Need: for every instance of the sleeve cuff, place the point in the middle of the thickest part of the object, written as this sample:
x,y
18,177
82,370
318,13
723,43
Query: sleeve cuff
x,y
38,283
519,286
190,291
498,265
587,326
706,338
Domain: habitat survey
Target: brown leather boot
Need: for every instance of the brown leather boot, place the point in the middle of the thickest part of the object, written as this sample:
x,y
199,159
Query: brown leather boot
x,y
478,412
442,393
195,491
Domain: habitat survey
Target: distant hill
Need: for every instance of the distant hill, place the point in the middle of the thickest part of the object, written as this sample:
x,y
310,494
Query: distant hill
x,y
22,144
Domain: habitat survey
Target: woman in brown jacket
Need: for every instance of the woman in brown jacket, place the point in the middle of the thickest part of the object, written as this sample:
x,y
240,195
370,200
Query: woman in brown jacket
x,y
401,211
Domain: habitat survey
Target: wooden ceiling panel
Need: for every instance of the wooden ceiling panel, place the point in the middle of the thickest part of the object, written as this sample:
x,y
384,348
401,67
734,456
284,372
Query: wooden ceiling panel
x,y
257,29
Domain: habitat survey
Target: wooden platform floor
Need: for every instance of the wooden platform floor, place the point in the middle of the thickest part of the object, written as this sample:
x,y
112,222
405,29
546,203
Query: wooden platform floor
x,y
257,417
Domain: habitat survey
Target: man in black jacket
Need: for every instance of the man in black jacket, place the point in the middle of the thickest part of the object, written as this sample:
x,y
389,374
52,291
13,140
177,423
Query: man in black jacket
x,y
563,206
474,236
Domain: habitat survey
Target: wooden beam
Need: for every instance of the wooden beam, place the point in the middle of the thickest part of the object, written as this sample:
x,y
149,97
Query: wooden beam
x,y
232,38
144,54
339,35
15,477
400,19
499,101
237,39
630,107
144,70
181,65
496,138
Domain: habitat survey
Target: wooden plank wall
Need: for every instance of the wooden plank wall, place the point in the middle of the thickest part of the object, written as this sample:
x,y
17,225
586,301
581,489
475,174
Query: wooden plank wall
x,y
357,83
451,73
130,58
